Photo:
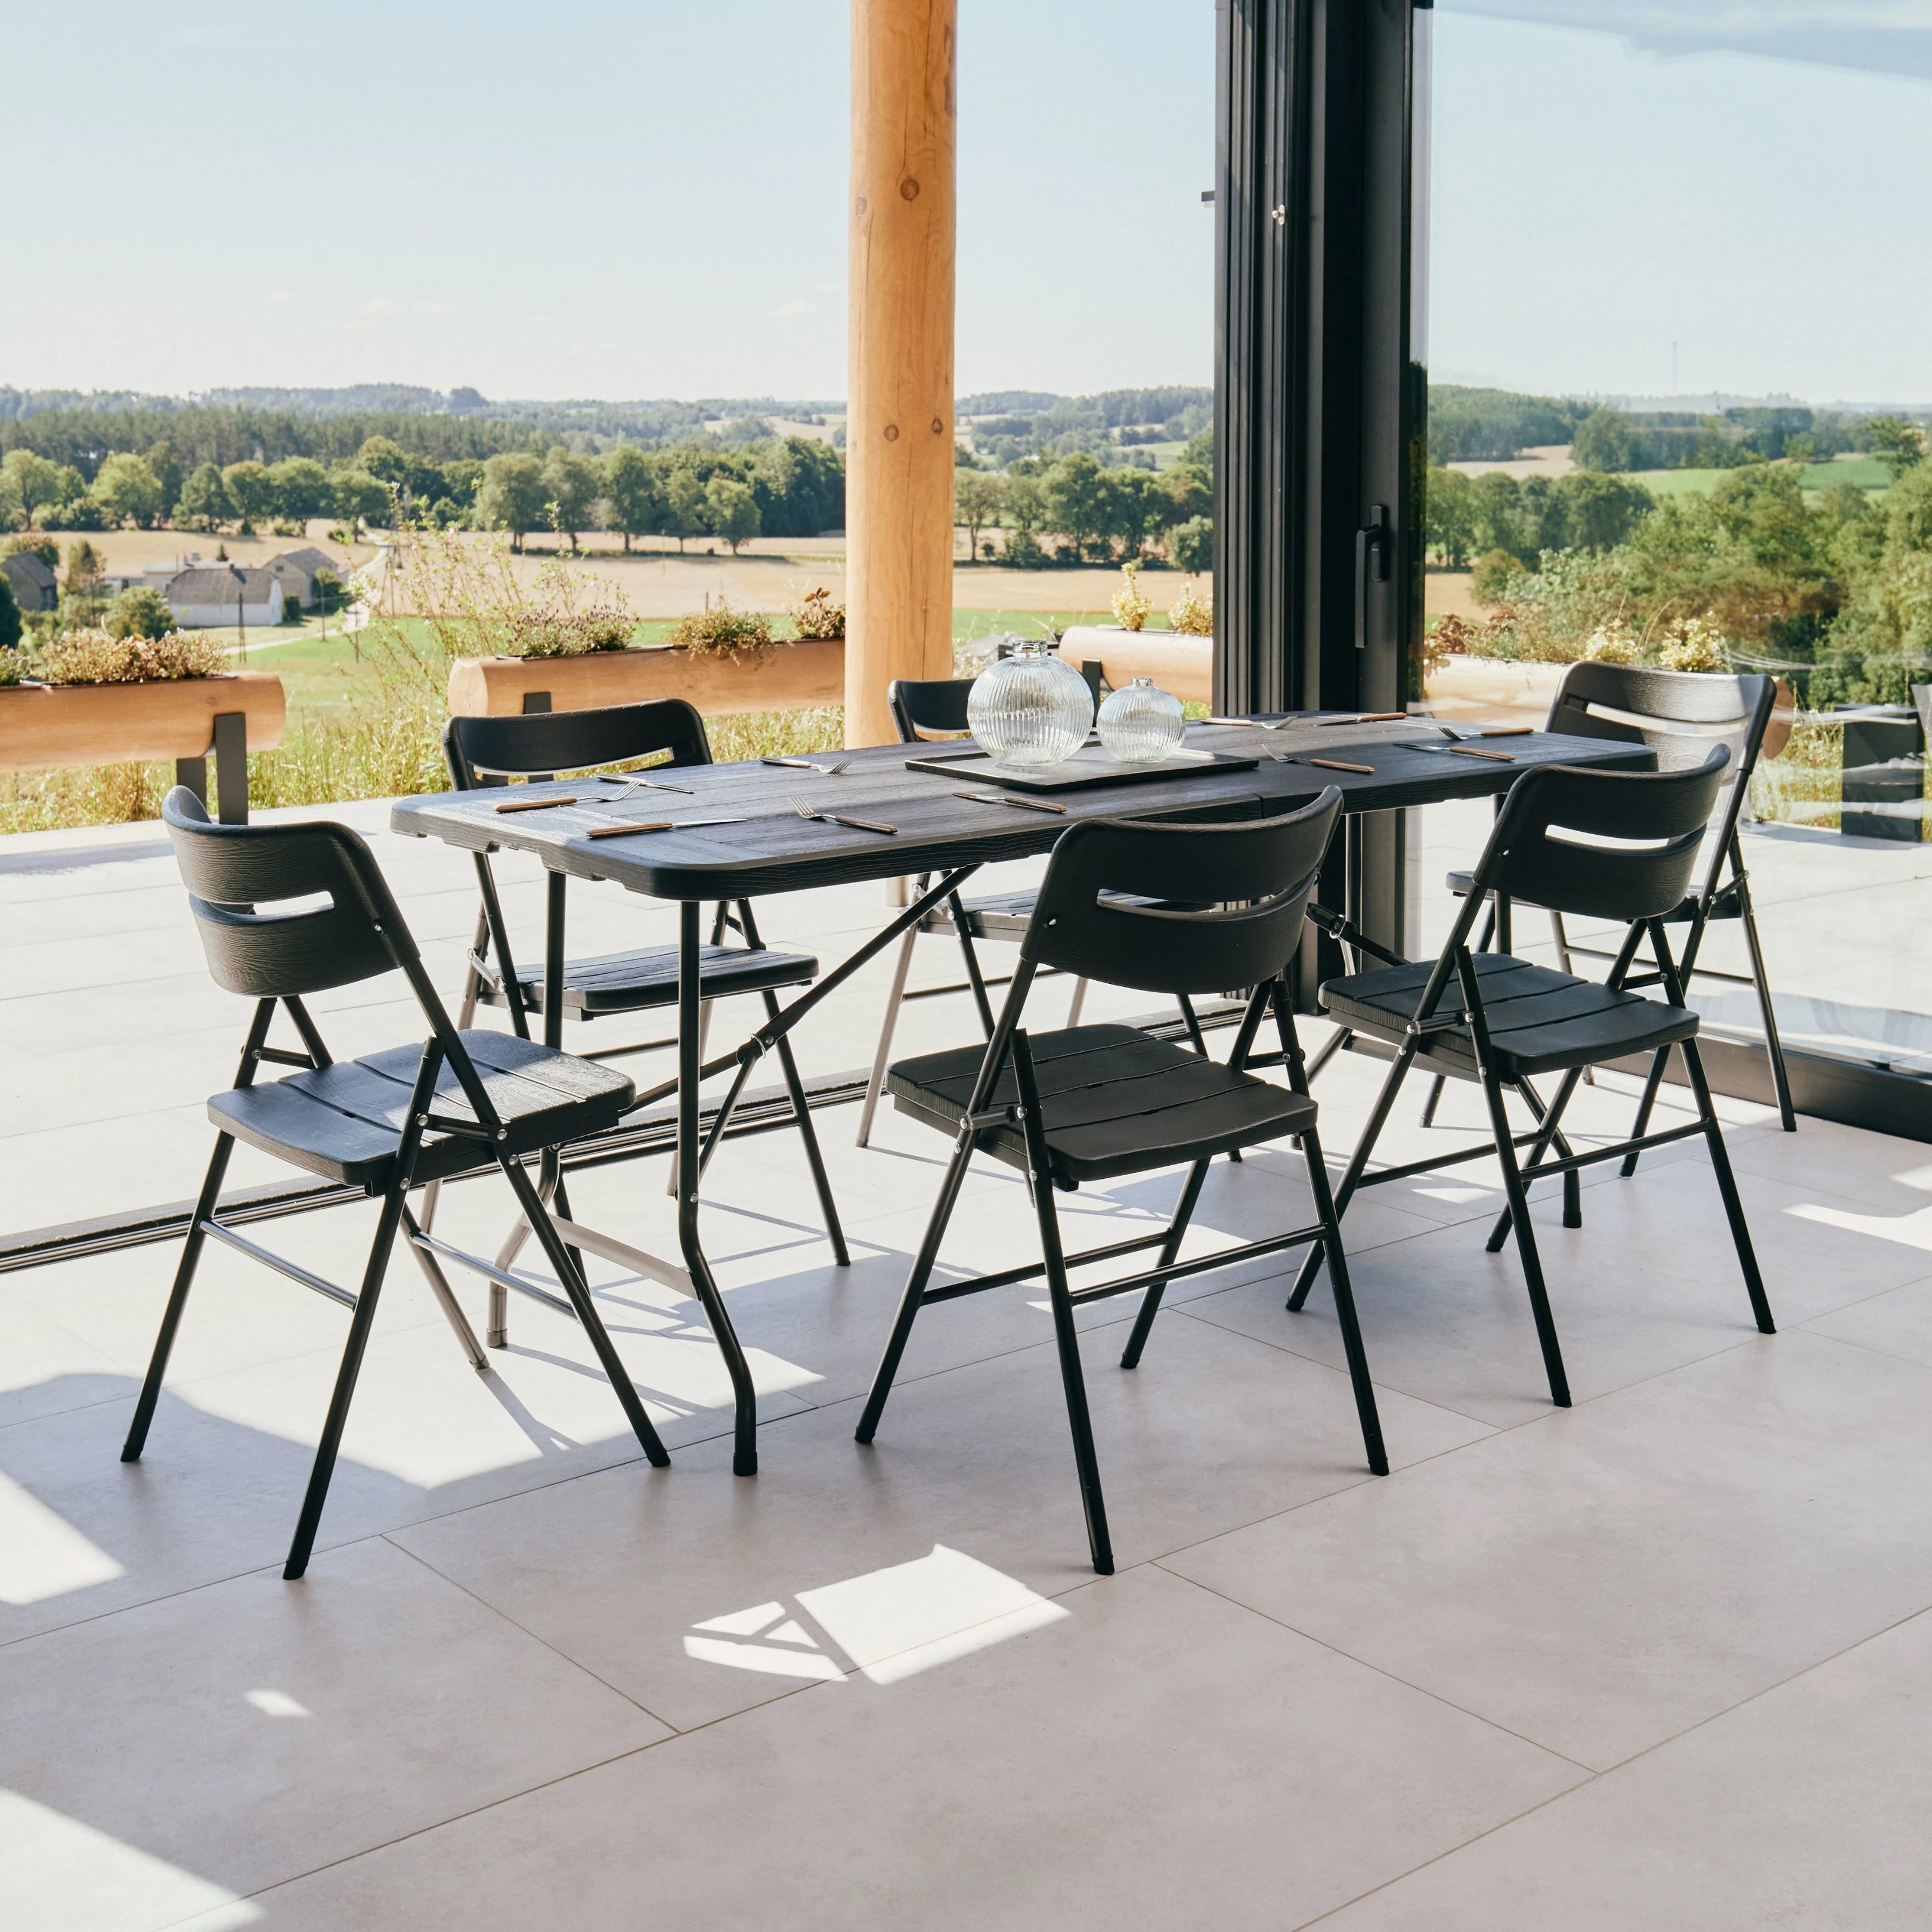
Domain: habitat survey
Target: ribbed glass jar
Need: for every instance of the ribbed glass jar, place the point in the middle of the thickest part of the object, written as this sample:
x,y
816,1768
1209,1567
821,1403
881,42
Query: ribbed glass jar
x,y
1140,724
1030,710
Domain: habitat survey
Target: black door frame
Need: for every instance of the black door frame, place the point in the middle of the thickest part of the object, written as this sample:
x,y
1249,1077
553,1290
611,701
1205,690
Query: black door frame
x,y
1320,395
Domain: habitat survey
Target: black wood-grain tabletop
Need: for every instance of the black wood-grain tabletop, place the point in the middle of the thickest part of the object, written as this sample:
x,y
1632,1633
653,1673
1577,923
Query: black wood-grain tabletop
x,y
773,850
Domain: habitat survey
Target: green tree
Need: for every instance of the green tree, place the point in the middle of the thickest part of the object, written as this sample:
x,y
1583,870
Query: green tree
x,y
35,481
1192,545
512,495
634,504
1128,507
1602,442
1498,514
204,498
978,498
9,615
1603,510
385,460
301,489
126,486
731,510
252,490
1897,442
1075,500
571,486
359,499
37,543
84,566
139,611
684,503
1449,499
166,466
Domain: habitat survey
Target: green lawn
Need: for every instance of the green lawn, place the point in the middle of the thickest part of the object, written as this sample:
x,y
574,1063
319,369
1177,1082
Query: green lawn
x,y
1866,472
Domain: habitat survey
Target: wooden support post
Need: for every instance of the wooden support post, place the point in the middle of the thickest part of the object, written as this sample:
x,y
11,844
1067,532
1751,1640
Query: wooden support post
x,y
898,429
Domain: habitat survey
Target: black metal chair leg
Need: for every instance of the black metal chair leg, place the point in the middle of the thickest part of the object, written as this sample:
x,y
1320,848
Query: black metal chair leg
x,y
164,1342
1191,1022
1653,1081
895,999
578,1290
915,1288
975,978
1526,1242
1311,1265
1727,1186
360,1324
1066,1336
813,1158
1429,1106
1177,1230
1779,1080
1344,1307
1548,1119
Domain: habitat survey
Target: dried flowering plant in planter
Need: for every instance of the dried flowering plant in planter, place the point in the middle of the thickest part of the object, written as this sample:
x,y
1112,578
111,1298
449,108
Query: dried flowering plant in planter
x,y
816,616
1193,612
93,657
1133,607
724,631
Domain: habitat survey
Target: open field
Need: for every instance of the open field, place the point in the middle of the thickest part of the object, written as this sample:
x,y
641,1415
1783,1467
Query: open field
x,y
1866,472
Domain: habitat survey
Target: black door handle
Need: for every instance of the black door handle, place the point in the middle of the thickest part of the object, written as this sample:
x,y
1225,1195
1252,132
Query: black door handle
x,y
1371,566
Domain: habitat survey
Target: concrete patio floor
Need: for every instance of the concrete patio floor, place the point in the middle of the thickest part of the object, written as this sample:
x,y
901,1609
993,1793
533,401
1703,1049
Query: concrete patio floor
x,y
1663,1659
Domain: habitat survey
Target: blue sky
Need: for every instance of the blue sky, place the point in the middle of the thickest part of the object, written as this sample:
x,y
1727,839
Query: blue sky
x,y
648,198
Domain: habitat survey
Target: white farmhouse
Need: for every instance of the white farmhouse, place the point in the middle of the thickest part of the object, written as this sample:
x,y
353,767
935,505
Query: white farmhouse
x,y
294,571
224,594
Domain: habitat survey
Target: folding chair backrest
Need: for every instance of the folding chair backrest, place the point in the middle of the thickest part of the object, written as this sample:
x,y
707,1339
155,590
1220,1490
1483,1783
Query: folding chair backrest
x,y
570,741
231,870
1619,845
929,704
1231,899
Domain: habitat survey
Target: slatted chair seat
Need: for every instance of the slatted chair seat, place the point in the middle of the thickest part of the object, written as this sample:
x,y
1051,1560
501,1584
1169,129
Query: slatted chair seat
x,y
998,913
1540,1021
344,1121
624,983
1115,1102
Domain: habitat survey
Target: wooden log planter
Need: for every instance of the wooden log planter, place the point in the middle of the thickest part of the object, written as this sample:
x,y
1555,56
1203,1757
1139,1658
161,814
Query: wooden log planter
x,y
42,726
790,676
1177,661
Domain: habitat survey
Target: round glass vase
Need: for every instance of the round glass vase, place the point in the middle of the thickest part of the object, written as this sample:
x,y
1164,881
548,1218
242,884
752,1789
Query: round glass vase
x,y
1031,710
1140,724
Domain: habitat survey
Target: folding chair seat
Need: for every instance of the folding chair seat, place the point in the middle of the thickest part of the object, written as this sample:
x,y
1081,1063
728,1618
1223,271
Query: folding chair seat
x,y
1613,845
388,1123
925,708
1091,1103
1540,1021
485,751
343,1120
1681,715
1112,1101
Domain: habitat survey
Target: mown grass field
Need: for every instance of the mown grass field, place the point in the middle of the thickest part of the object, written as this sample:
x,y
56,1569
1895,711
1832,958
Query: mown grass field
x,y
1866,472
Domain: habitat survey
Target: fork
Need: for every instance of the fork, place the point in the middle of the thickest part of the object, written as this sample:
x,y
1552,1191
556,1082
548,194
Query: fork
x,y
809,765
805,809
626,787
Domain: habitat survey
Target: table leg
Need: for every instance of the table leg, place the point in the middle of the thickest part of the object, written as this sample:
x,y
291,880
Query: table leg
x,y
745,1443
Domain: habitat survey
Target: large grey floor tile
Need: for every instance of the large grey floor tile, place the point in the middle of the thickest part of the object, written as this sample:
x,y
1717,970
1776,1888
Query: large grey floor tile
x,y
1804,1808
255,1730
1156,1757
216,1492
1213,1430
1650,1282
1603,1579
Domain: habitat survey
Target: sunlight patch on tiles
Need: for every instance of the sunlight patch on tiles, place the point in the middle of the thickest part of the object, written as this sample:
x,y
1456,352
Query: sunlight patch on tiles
x,y
42,1555
888,1625
64,1876
278,1704
1912,1231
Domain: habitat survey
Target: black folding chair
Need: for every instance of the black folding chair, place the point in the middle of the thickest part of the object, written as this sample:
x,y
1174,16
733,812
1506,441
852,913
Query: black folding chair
x,y
1680,715
1092,1103
1610,845
925,708
482,750
387,1123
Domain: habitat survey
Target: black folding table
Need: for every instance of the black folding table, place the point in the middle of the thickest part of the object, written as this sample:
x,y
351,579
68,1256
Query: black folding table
x,y
773,849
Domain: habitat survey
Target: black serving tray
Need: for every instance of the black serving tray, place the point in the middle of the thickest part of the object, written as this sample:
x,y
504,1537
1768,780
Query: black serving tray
x,y
1090,765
